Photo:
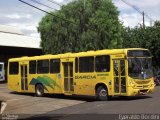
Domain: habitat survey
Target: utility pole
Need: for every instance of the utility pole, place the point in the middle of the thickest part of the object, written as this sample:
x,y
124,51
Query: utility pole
x,y
143,20
139,11
150,22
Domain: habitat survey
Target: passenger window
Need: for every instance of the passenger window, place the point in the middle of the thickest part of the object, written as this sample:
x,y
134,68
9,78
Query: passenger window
x,y
55,66
13,68
76,65
86,64
102,63
43,66
32,67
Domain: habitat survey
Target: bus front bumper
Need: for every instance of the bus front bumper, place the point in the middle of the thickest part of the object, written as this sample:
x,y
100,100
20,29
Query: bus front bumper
x,y
139,91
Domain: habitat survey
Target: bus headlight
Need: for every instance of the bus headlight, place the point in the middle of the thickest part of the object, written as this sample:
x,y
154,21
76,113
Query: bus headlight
x,y
131,83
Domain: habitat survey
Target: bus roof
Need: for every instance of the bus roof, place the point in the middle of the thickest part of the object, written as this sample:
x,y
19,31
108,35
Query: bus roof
x,y
80,54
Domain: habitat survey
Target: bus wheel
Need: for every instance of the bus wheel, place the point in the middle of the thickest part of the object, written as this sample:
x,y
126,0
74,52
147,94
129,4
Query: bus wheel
x,y
102,94
39,90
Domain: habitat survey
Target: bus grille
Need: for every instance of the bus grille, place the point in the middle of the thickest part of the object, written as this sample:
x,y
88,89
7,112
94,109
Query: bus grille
x,y
143,91
142,82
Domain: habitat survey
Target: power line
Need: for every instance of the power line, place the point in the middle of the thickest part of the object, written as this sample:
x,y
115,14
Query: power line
x,y
35,1
47,12
54,14
52,1
55,3
84,4
139,11
133,6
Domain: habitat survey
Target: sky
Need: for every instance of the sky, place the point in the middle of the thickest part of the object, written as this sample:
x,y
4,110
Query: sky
x,y
26,18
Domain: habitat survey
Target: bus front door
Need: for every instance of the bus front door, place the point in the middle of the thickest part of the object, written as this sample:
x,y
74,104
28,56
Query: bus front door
x,y
119,74
68,77
24,78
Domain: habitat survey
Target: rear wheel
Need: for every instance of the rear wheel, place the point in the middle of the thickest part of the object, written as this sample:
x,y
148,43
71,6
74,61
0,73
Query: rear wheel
x,y
102,94
39,90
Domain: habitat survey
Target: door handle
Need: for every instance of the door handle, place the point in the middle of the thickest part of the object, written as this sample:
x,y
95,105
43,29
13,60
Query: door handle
x,y
74,83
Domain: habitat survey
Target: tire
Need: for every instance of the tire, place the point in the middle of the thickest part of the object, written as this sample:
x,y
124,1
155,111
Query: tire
x,y
39,90
102,94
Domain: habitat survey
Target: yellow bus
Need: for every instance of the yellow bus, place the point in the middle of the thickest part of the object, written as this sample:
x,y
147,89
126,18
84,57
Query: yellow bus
x,y
102,73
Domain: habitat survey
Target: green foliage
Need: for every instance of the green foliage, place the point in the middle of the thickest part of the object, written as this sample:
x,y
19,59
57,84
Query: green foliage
x,y
144,38
97,27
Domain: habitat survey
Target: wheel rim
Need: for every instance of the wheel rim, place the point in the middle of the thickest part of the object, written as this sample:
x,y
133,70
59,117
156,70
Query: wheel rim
x,y
39,90
103,93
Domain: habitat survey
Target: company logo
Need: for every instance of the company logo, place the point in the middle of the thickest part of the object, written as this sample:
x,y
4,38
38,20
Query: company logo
x,y
85,77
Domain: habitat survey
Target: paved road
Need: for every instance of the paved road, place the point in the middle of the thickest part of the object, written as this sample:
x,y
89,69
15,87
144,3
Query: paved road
x,y
142,107
31,105
80,108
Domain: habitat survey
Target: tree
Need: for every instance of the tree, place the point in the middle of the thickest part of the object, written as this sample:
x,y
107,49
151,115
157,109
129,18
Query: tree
x,y
144,38
92,26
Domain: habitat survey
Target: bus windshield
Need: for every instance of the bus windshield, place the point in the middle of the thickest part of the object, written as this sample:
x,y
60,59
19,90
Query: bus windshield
x,y
140,68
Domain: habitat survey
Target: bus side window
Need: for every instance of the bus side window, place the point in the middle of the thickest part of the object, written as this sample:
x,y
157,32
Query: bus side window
x,y
13,68
76,65
55,66
32,67
86,64
102,63
43,66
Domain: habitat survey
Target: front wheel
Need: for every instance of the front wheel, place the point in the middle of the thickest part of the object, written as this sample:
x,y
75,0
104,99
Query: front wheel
x,y
102,94
39,90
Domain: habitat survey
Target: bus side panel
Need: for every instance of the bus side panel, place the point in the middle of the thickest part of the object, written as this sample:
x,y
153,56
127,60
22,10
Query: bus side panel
x,y
50,82
85,83
55,83
14,83
31,87
105,78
